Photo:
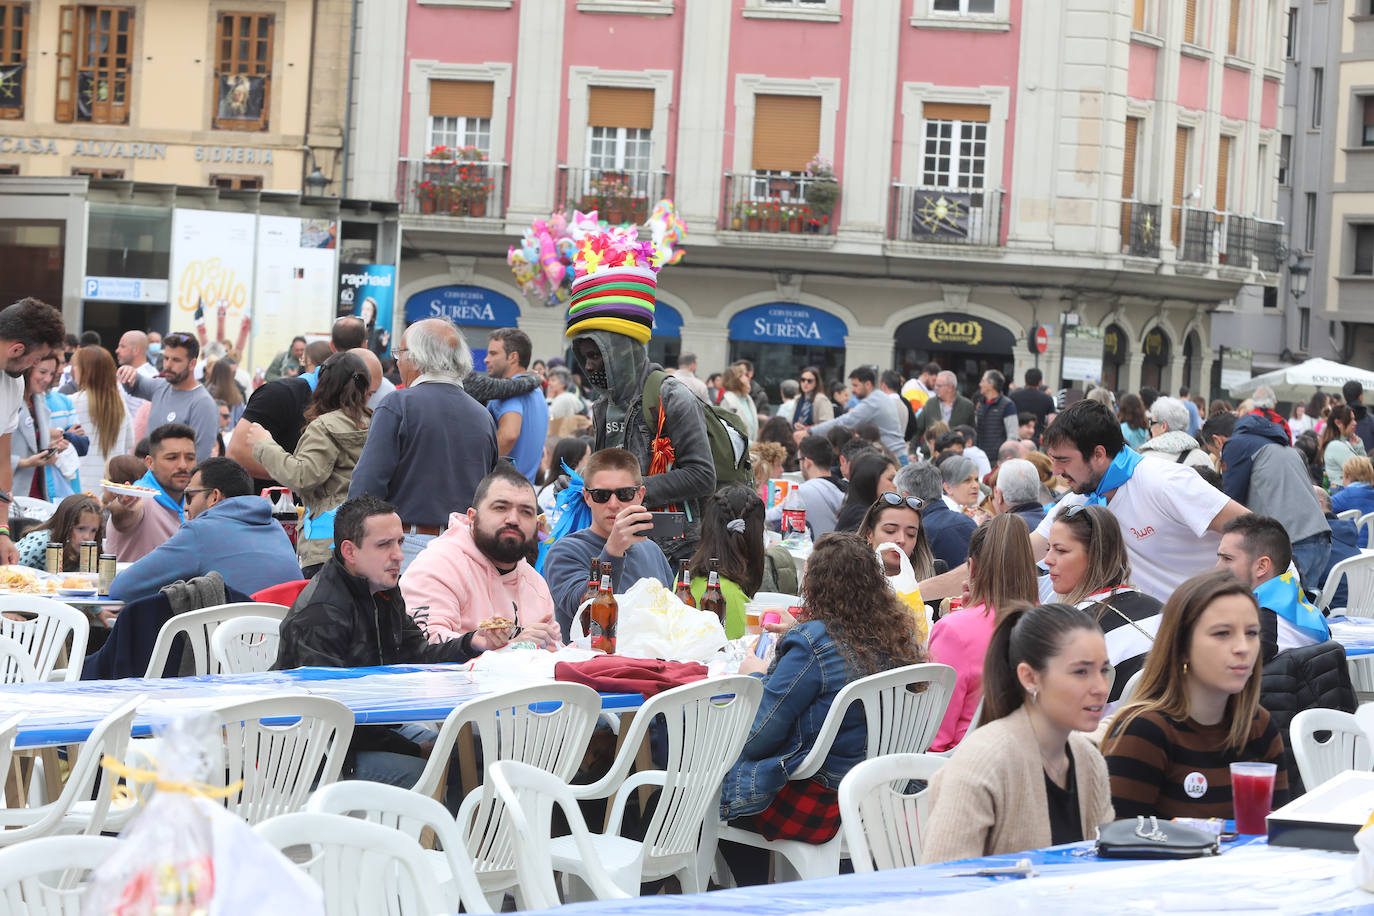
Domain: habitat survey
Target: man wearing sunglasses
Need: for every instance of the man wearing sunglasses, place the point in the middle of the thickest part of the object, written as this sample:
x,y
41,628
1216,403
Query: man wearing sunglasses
x,y
614,493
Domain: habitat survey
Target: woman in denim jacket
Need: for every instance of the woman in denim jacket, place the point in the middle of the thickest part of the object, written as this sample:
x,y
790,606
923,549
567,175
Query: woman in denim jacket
x,y
854,626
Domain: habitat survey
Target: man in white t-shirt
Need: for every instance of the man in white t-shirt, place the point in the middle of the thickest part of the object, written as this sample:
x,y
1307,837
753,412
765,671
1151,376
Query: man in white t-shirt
x,y
1170,517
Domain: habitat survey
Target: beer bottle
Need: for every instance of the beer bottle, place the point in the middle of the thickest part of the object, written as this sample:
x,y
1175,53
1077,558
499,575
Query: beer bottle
x,y
684,586
713,599
604,611
593,584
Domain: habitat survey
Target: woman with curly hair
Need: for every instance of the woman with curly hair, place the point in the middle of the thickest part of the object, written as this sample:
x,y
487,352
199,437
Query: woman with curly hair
x,y
853,626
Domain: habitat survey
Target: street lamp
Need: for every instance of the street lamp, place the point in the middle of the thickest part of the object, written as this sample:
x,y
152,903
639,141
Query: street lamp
x,y
315,182
1298,272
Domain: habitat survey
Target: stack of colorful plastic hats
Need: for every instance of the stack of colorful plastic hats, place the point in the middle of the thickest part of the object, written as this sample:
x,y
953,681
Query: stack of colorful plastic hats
x,y
615,284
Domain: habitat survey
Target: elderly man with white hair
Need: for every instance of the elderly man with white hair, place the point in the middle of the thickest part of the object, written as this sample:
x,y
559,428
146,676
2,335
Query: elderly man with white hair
x,y
430,443
1169,439
1018,491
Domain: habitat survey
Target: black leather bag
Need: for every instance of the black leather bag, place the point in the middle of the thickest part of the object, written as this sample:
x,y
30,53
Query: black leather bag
x,y
1151,838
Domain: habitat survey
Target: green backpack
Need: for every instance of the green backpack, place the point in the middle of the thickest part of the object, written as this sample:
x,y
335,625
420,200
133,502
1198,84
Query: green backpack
x,y
725,431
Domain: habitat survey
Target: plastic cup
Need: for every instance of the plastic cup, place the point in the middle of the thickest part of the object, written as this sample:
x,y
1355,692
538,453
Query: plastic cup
x,y
1252,790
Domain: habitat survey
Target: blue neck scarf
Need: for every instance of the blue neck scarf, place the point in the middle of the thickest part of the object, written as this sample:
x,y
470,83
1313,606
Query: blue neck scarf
x,y
1283,595
312,378
162,499
1118,472
571,513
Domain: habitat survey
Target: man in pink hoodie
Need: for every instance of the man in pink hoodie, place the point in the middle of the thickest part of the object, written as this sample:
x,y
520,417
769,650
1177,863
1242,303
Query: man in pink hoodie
x,y
477,569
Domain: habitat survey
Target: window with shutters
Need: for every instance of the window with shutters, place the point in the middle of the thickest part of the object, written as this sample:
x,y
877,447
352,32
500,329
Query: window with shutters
x,y
787,134
620,129
1182,140
1138,16
955,146
97,173
1364,250
95,46
1235,29
243,70
10,169
1190,22
1290,50
460,115
1285,154
236,182
14,34
1224,145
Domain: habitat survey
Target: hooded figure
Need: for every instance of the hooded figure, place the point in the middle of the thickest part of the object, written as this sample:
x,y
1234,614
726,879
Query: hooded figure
x,y
616,367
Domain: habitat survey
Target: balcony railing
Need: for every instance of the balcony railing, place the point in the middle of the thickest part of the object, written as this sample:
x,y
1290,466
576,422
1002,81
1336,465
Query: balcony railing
x,y
1214,237
779,202
944,216
1140,229
617,195
452,187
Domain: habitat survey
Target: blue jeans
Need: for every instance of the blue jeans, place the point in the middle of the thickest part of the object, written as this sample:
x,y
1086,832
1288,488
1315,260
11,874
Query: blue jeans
x,y
392,768
1310,555
411,547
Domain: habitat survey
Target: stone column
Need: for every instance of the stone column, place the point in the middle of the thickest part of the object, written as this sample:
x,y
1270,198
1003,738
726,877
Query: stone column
x,y
701,112
874,29
539,81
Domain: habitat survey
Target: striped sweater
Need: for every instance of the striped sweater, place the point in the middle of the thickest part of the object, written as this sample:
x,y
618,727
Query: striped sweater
x,y
1171,769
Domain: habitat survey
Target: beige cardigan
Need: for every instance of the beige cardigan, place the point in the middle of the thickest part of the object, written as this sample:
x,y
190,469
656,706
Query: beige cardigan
x,y
990,798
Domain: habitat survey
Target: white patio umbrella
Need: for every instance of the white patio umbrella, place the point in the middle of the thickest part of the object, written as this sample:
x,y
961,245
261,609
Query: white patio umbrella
x,y
1298,383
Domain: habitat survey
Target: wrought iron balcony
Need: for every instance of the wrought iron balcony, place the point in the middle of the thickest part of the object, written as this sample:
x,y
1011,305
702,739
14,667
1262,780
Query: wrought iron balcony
x,y
452,187
780,203
618,196
1214,237
944,216
1140,229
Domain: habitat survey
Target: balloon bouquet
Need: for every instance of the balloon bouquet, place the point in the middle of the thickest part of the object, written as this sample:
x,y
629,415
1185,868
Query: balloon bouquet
x,y
543,261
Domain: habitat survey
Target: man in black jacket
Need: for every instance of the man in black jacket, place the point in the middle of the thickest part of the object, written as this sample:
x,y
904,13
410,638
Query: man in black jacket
x,y
352,615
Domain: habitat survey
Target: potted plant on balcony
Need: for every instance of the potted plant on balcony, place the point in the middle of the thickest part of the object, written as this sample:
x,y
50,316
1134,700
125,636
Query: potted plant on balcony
x,y
615,195
772,212
822,189
472,182
427,193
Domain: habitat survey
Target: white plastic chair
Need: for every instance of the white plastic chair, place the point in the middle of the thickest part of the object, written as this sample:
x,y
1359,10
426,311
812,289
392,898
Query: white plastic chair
x,y
528,795
1348,748
44,635
1129,690
15,665
881,822
900,720
364,869
1365,525
546,725
279,764
37,878
81,807
245,644
1359,575
411,814
196,627
705,727
1361,676
1350,515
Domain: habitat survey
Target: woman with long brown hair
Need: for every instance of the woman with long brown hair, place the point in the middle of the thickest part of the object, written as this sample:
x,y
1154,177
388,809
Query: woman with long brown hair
x,y
1001,576
896,519
223,386
1339,443
101,412
321,468
853,626
1196,709
736,399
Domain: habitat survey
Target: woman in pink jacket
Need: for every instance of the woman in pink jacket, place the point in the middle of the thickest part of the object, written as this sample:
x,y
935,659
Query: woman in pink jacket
x,y
476,569
1001,577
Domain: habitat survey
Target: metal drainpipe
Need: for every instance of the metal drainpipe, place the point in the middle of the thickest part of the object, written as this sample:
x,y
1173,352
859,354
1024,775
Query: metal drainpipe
x,y
309,95
348,104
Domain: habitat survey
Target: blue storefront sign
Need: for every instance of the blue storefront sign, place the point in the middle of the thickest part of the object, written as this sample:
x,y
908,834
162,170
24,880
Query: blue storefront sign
x,y
789,323
465,306
667,321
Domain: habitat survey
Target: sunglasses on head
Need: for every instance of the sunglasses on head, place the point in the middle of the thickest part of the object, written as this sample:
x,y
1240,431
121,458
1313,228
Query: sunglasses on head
x,y
896,499
1075,511
624,494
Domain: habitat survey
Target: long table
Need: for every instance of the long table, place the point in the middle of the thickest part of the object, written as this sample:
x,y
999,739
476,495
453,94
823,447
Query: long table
x,y
1249,876
1355,633
65,713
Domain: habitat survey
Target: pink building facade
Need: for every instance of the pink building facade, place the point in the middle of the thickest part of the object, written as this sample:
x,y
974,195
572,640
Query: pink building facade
x,y
996,173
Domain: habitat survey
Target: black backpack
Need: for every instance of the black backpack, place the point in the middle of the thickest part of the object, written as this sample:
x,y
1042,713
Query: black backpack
x,y
725,431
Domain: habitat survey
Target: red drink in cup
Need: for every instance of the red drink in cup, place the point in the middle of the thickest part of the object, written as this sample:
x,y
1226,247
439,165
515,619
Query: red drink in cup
x,y
1252,790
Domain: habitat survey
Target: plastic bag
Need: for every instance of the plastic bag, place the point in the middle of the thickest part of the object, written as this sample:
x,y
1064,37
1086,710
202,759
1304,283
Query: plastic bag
x,y
909,591
186,855
652,623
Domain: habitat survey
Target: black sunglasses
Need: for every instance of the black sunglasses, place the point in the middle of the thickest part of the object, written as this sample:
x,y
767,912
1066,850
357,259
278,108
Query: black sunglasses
x,y
896,499
624,494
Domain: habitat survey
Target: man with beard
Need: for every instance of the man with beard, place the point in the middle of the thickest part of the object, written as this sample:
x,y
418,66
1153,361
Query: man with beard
x,y
138,525
176,396
477,569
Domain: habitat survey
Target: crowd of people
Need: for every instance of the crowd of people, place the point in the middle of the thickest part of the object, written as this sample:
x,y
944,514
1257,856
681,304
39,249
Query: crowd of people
x,y
1062,546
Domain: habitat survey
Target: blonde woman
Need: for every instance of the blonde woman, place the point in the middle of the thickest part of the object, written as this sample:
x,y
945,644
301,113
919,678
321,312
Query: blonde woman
x,y
101,412
1358,492
736,399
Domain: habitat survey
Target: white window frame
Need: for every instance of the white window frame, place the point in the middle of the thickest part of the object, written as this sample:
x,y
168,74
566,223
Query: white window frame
x,y
1244,49
807,10
423,71
580,83
467,131
925,16
1292,23
632,7
642,177
957,160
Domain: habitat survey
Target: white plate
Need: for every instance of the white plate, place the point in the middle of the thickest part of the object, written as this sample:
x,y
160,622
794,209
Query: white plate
x,y
128,489
77,592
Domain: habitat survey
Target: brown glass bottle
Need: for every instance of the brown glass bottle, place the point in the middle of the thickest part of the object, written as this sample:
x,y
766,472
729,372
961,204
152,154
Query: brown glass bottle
x,y
713,599
684,586
593,583
604,611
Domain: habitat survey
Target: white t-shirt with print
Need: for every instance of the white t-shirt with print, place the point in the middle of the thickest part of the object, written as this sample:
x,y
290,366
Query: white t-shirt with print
x,y
11,400
1164,511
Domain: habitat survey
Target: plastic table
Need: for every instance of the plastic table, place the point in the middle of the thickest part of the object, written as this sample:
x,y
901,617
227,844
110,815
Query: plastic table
x,y
1070,879
65,713
1355,633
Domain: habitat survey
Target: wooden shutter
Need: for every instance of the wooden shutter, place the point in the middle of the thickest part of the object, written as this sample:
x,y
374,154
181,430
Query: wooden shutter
x,y
1138,17
1180,174
945,111
613,106
1190,21
1128,159
66,64
1223,171
14,39
459,99
1233,30
787,131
